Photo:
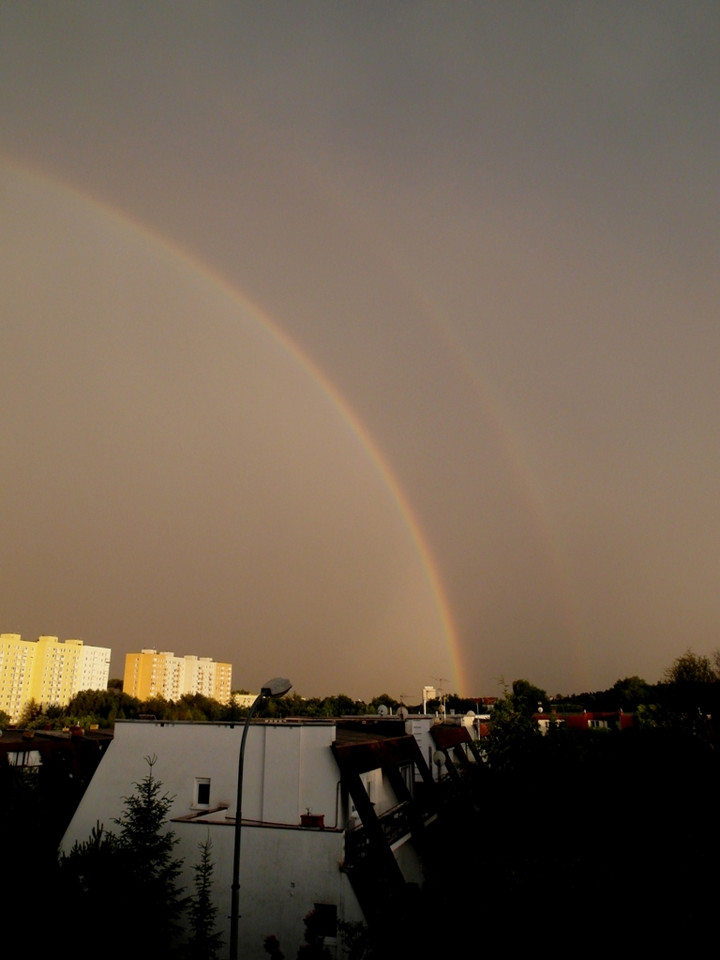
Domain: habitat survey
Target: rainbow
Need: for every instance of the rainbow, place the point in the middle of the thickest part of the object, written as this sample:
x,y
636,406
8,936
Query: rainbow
x,y
175,253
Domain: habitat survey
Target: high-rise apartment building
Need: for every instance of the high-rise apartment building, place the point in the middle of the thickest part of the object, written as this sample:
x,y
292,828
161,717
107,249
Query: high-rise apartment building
x,y
17,657
48,671
161,674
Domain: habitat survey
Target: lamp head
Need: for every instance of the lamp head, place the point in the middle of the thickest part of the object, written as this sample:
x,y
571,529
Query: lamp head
x,y
275,687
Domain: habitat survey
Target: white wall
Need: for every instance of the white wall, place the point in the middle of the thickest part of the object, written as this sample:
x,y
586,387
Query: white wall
x,y
283,873
289,769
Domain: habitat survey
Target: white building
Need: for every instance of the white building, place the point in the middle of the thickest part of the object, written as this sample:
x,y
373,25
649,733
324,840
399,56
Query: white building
x,y
92,668
48,671
333,815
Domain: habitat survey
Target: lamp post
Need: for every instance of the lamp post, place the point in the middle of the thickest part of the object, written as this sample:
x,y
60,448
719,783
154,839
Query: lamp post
x,y
273,688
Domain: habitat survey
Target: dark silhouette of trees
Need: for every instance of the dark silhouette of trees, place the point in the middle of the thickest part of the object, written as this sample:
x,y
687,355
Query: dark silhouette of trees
x,y
30,715
91,882
103,707
313,948
629,693
514,734
690,669
384,700
131,874
196,706
607,830
527,697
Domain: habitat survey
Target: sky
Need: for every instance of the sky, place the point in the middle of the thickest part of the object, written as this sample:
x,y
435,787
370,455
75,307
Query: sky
x,y
374,345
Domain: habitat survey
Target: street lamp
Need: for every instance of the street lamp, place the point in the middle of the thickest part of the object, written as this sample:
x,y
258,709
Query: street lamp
x,y
273,688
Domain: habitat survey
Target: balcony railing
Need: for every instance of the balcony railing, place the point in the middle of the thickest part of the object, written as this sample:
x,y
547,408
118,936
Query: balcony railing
x,y
395,824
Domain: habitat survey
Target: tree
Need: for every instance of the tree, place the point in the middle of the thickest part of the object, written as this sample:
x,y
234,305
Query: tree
x,y
692,693
630,693
158,707
102,706
385,700
196,706
132,873
690,668
337,706
88,885
514,734
527,697
88,870
31,713
205,941
152,872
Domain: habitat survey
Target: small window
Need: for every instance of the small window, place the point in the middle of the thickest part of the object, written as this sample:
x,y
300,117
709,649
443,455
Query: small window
x,y
370,787
407,771
202,792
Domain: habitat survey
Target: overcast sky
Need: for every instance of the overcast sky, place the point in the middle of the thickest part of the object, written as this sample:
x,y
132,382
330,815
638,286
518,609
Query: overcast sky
x,y
372,344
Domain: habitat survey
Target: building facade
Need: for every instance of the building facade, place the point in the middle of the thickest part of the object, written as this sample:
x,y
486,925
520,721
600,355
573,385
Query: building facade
x,y
152,673
335,816
48,671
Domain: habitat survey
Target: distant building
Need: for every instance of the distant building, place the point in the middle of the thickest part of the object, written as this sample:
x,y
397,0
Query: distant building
x,y
161,674
587,720
244,699
48,671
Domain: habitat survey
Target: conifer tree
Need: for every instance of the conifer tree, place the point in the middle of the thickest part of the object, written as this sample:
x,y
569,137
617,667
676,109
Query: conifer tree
x,y
205,941
128,876
146,863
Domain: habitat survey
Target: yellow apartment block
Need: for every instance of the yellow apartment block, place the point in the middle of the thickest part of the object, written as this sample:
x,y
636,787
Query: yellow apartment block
x,y
161,674
48,671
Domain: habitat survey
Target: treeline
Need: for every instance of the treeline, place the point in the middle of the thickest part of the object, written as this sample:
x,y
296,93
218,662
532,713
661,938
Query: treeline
x,y
688,694
690,683
103,707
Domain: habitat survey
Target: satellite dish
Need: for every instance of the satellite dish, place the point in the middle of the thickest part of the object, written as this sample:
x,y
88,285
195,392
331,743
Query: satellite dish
x,y
382,710
402,712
